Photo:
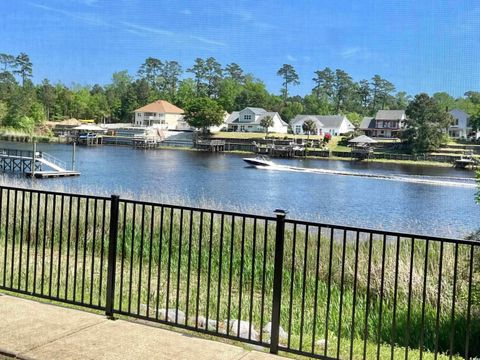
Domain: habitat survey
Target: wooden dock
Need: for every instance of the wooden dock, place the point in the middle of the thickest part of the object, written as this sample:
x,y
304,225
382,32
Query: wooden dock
x,y
36,164
210,145
52,174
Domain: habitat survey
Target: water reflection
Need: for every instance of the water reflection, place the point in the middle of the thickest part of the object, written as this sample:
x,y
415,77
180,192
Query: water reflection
x,y
221,180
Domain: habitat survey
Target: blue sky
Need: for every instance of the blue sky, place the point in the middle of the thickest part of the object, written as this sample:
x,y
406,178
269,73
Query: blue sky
x,y
419,45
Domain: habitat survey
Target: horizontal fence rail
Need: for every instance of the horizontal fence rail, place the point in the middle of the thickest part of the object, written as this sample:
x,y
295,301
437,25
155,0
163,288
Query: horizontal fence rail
x,y
319,290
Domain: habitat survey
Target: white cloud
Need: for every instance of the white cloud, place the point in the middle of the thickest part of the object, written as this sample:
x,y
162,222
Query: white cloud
x,y
291,58
88,18
356,52
142,30
208,41
146,29
186,12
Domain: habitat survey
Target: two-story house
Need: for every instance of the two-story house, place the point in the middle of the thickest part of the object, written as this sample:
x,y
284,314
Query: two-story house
x,y
160,113
461,129
385,124
250,118
331,124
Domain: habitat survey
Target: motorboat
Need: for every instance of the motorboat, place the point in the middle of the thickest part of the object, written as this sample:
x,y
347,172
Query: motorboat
x,y
259,161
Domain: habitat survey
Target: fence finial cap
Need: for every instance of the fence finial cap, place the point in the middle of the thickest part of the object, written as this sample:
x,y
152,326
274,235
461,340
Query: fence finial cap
x,y
281,212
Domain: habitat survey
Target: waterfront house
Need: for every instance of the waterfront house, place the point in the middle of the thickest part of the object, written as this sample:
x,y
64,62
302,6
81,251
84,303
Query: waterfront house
x,y
331,124
461,129
249,119
161,114
385,124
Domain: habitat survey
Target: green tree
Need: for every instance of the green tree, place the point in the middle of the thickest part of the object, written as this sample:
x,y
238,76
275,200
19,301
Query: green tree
x,y
199,71
213,77
151,71
7,61
364,94
3,112
172,72
235,72
324,84
309,127
253,94
23,67
186,93
204,112
266,122
425,125
290,110
342,89
229,89
289,75
46,94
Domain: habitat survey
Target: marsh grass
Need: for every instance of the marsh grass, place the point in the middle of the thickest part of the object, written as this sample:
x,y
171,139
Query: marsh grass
x,y
338,288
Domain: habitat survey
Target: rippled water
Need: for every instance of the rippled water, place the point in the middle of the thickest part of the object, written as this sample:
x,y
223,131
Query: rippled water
x,y
409,198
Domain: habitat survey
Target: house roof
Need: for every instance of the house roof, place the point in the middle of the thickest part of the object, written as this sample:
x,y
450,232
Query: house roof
x,y
362,139
161,106
232,117
390,114
328,121
457,112
258,119
256,111
367,123
272,114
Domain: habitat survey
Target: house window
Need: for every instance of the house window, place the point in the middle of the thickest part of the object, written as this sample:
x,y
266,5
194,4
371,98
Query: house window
x,y
247,117
242,128
139,115
298,129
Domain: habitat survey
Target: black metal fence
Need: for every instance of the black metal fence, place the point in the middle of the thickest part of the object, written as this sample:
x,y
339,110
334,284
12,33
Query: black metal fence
x,y
312,289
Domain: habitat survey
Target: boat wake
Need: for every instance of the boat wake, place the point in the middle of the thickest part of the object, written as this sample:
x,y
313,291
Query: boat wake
x,y
416,179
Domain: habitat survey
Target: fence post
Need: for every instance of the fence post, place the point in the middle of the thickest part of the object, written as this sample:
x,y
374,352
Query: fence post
x,y
112,252
277,280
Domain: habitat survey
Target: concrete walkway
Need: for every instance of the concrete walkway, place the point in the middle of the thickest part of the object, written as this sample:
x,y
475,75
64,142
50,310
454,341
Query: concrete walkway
x,y
34,330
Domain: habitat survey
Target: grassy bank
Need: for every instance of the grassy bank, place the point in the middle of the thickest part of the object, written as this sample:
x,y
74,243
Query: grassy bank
x,y
222,268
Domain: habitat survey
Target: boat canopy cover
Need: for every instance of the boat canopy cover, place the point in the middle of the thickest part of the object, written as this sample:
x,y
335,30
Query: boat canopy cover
x,y
363,139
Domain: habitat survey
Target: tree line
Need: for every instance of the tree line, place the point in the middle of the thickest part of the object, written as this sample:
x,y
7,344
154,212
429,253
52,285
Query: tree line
x,y
25,105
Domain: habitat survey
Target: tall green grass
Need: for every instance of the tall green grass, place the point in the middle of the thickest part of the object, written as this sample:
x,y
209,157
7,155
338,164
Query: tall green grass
x,y
222,266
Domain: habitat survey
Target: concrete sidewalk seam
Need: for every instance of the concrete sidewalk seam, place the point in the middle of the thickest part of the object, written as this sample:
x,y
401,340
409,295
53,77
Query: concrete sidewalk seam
x,y
57,339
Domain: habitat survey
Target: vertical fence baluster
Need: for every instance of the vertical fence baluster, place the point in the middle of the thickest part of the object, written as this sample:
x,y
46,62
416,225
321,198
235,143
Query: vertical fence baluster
x,y
262,305
140,259
209,271
200,233
21,241
112,255
277,280
69,233
169,262
344,243
52,244
395,291
355,280
180,235
329,291
150,256
12,271
367,307
220,263
454,293
92,269
60,240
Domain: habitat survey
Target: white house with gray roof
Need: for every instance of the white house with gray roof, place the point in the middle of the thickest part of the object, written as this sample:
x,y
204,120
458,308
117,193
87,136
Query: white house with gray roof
x,y
248,120
461,129
385,124
332,124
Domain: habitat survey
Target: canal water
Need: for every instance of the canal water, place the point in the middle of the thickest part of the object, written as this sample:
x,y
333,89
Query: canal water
x,y
407,198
